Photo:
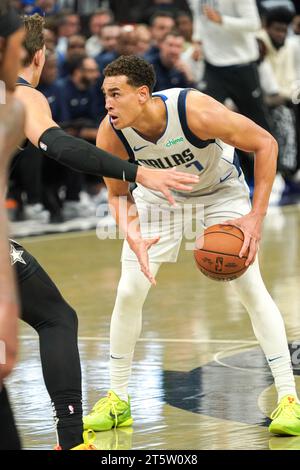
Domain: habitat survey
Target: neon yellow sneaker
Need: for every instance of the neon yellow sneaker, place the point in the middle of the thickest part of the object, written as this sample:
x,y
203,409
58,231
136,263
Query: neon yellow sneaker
x,y
286,417
88,439
109,412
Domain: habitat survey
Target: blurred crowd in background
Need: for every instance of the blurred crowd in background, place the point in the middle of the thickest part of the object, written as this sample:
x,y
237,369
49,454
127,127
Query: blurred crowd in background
x,y
244,53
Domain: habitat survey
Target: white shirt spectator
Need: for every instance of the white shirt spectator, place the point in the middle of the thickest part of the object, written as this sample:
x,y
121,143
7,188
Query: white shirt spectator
x,y
93,46
193,58
294,42
232,42
282,63
267,79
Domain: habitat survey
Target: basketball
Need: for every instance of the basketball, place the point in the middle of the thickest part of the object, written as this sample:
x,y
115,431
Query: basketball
x,y
217,253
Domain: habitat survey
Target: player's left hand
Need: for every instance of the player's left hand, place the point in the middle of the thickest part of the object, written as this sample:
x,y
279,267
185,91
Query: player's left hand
x,y
251,226
212,14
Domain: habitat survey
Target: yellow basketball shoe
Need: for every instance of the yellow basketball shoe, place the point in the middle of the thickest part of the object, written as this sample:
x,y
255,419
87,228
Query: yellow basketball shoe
x,y
88,439
286,417
109,412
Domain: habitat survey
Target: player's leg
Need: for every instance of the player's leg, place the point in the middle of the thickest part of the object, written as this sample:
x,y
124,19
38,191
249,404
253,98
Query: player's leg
x,y
9,439
126,325
56,322
155,220
269,329
266,319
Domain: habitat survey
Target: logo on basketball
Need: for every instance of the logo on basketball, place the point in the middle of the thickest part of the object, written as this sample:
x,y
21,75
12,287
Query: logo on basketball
x,y
222,245
219,265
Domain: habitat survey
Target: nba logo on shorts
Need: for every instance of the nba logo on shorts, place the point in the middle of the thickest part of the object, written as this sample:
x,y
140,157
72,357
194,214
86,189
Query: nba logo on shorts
x,y
2,353
2,92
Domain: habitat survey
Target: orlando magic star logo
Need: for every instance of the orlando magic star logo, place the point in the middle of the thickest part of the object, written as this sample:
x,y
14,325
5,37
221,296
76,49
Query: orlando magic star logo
x,y
16,256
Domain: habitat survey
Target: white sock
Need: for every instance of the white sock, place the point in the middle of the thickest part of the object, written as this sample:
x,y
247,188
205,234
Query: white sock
x,y
268,328
281,368
126,323
120,370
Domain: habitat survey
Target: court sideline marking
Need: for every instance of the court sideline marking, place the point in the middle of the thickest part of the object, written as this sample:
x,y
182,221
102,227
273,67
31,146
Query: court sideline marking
x,y
160,340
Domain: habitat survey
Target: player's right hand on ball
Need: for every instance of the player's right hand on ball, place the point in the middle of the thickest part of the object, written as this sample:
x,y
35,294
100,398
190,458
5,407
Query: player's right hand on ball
x,y
165,180
140,247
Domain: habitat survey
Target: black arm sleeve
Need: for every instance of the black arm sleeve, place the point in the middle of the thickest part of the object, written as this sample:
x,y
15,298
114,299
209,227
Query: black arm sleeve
x,y
84,157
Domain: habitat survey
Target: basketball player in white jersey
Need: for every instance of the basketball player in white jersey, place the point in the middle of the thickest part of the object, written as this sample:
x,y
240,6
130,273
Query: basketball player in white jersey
x,y
189,130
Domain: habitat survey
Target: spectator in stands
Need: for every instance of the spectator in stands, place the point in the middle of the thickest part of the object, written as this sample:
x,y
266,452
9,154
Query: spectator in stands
x,y
231,51
80,96
75,48
82,7
128,11
227,36
50,39
144,39
184,24
98,20
126,45
24,6
68,25
266,5
45,7
170,70
161,23
51,89
109,40
81,93
279,54
294,40
193,57
169,6
53,174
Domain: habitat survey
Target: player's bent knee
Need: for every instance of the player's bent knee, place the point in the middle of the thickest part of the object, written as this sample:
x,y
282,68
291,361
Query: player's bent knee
x,y
69,317
129,297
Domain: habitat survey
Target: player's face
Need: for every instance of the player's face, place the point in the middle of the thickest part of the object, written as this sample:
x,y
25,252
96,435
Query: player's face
x,y
12,55
123,102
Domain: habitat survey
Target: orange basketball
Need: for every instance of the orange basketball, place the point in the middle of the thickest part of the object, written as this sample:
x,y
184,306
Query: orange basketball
x,y
217,253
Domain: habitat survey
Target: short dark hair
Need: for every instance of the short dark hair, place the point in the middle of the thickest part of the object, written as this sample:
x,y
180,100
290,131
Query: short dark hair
x,y
75,63
184,13
174,32
103,11
34,36
137,70
159,14
279,15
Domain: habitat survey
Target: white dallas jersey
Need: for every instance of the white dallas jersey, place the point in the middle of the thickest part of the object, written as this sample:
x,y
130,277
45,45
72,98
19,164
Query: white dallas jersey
x,y
213,160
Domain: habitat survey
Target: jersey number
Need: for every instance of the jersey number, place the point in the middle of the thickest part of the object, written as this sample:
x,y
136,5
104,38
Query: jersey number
x,y
196,164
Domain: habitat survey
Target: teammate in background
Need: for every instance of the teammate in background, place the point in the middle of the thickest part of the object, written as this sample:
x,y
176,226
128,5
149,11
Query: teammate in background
x,y
43,307
205,133
11,132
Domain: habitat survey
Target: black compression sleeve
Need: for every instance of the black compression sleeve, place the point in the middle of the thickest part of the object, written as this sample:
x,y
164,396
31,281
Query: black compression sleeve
x,y
84,157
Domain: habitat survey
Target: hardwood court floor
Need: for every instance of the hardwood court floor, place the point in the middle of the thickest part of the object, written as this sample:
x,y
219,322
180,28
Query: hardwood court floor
x,y
199,378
